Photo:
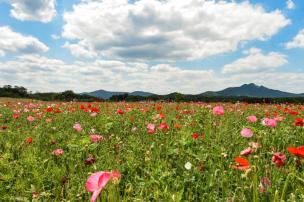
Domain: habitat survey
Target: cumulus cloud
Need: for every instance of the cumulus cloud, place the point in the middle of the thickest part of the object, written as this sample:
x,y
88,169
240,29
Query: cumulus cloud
x,y
256,61
297,41
166,30
13,42
290,4
40,73
36,10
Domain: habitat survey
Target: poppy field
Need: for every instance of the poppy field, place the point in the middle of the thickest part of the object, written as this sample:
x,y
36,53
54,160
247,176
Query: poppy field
x,y
146,151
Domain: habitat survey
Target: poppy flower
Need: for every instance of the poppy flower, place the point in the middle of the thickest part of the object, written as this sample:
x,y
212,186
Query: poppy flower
x,y
58,152
279,159
297,151
298,122
265,183
16,116
241,164
3,127
30,118
96,138
252,119
98,181
77,127
246,151
246,132
29,140
269,122
151,128
218,111
119,111
195,136
163,126
90,160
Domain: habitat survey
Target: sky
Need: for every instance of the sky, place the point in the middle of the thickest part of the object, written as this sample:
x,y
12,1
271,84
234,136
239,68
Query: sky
x,y
159,46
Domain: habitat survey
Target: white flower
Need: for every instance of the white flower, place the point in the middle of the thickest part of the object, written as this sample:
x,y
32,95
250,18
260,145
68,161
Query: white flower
x,y
188,166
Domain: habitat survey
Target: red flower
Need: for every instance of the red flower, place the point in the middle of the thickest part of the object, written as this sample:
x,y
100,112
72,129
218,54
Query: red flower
x,y
279,159
49,109
297,151
29,140
163,126
298,122
242,164
119,111
195,136
16,116
3,127
95,109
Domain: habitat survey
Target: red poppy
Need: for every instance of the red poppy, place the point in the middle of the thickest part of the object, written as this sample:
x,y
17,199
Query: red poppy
x,y
195,136
279,159
297,151
49,109
95,109
119,111
298,122
3,127
242,164
29,140
16,116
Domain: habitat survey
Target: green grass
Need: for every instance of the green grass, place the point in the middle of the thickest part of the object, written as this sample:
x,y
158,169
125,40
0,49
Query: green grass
x,y
152,165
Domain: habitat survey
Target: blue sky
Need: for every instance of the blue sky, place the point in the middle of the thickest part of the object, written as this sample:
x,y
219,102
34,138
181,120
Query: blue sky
x,y
151,45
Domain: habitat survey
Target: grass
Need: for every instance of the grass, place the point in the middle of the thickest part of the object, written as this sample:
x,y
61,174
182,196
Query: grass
x,y
152,165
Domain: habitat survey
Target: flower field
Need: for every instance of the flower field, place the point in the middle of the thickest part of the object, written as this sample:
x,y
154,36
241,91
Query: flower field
x,y
151,151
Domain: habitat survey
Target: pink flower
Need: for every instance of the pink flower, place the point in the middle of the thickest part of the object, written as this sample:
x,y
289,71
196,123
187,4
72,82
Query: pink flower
x,y
94,114
218,110
95,138
252,119
151,128
269,122
77,127
30,118
264,184
57,152
246,151
97,182
254,145
246,132
279,159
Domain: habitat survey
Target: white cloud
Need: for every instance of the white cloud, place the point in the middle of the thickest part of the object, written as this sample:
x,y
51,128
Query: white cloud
x,y
297,42
13,42
290,4
166,30
39,73
256,61
36,10
79,51
55,37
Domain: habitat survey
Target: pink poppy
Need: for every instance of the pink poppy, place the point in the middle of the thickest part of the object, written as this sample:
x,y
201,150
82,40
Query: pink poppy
x,y
252,119
77,127
218,110
95,138
30,118
57,152
97,182
269,122
151,128
246,151
246,132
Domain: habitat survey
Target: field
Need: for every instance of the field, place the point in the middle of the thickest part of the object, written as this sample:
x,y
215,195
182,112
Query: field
x,y
150,151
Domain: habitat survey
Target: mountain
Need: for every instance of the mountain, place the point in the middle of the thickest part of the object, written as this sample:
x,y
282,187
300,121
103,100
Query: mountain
x,y
107,94
246,90
252,90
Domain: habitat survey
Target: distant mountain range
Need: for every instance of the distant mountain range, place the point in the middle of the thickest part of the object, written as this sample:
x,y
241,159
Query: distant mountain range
x,y
247,90
107,94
